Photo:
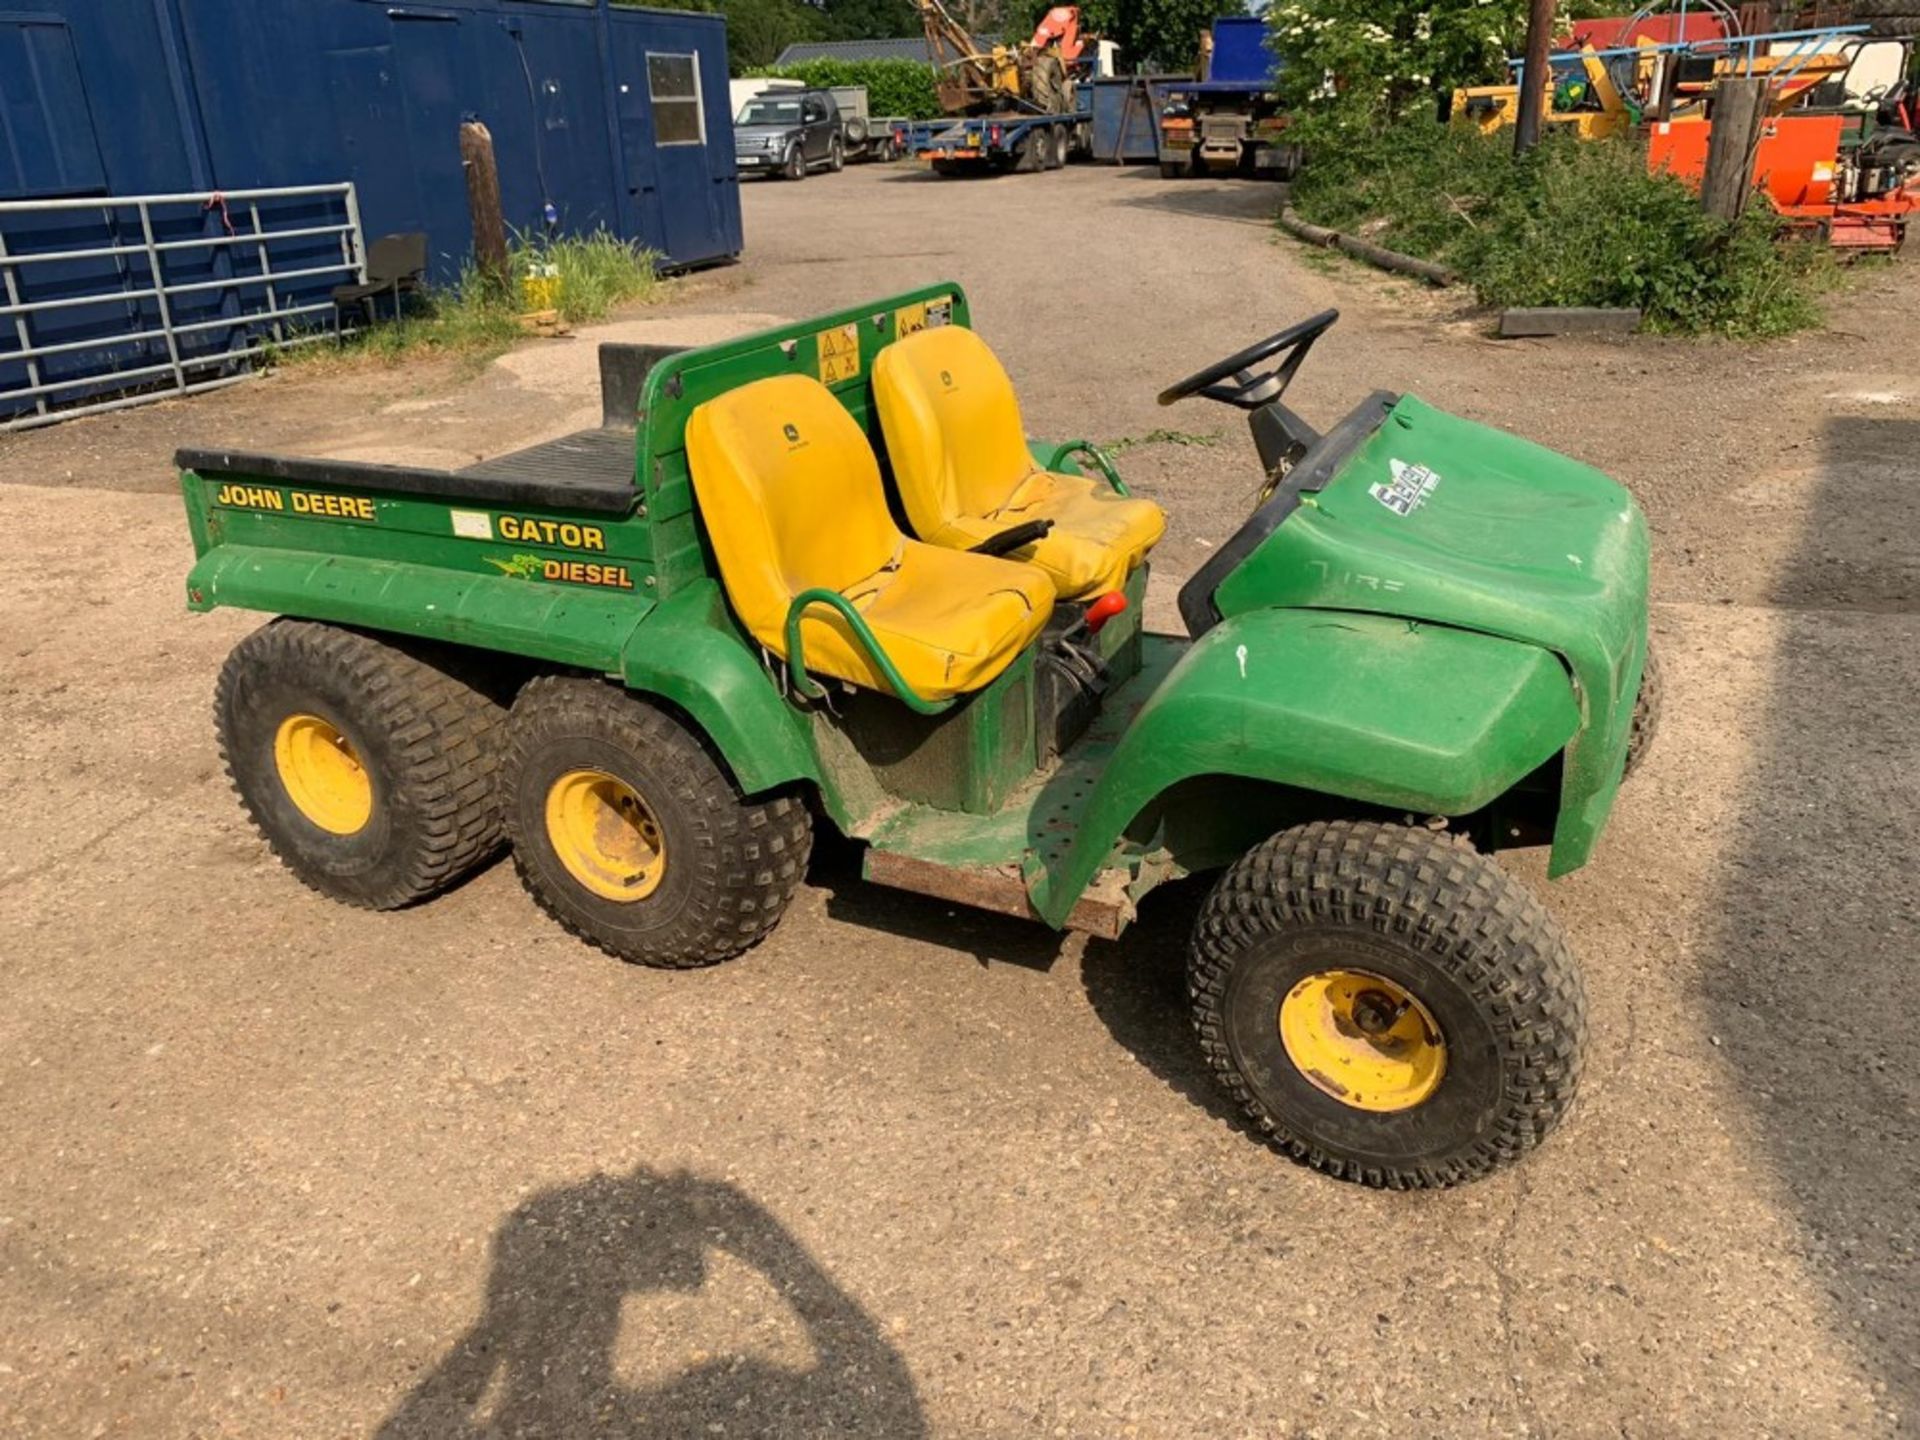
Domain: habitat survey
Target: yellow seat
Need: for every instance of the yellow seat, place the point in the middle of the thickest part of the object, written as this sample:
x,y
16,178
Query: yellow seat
x,y
961,461
792,499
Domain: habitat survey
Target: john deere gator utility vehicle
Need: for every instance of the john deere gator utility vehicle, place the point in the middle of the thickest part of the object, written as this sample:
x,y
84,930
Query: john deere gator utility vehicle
x,y
822,570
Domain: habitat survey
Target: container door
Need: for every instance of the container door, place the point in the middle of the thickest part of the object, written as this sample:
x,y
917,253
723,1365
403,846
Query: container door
x,y
663,131
47,142
425,59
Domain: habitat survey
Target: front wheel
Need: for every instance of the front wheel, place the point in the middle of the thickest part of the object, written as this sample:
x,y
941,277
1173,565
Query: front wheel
x,y
1386,1004
795,167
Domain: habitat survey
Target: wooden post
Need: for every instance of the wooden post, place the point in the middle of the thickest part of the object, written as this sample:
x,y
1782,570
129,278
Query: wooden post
x,y
1738,110
483,202
1534,75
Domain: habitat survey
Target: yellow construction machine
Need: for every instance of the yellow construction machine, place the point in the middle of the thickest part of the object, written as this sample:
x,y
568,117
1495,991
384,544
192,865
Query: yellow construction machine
x,y
1591,104
972,79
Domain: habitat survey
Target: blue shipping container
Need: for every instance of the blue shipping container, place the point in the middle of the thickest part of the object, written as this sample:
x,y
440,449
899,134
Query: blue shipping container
x,y
603,117
617,117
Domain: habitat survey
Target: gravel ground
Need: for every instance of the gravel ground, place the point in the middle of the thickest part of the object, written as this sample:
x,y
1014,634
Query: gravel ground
x,y
277,1168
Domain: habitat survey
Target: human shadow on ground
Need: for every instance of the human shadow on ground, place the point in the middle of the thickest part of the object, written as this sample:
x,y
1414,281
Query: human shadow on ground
x,y
544,1358
1812,928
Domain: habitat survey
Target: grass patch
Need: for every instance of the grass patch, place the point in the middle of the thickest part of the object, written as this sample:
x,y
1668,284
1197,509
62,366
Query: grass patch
x,y
473,321
1572,223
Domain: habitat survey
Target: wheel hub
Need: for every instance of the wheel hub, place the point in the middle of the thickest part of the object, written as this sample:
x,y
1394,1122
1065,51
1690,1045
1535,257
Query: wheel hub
x,y
605,835
322,774
1363,1039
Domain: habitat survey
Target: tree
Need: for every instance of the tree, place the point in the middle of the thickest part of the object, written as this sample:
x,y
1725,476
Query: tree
x,y
1152,34
757,30
1361,62
869,19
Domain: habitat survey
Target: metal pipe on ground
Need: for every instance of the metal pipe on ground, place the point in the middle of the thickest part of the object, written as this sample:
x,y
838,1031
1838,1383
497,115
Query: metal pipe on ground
x,y
1427,270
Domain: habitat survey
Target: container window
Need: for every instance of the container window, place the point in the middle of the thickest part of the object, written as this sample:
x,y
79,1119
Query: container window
x,y
673,85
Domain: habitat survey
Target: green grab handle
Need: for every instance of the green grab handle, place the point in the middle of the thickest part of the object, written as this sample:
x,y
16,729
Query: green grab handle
x,y
797,665
1101,461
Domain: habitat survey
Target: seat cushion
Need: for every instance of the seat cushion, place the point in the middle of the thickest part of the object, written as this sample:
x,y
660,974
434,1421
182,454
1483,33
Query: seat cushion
x,y
1098,537
792,500
949,621
964,472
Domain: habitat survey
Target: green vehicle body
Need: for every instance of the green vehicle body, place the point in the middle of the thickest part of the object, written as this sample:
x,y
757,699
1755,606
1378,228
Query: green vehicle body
x,y
1474,656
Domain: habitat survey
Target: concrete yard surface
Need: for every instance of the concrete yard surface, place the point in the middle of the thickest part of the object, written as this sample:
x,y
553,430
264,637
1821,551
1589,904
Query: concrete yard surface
x,y
279,1168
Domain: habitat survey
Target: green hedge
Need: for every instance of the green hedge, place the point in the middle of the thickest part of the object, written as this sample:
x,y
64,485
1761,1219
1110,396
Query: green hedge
x,y
894,87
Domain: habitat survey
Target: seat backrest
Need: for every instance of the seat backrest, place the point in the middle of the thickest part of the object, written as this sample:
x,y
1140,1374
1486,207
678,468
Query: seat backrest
x,y
791,496
396,257
952,424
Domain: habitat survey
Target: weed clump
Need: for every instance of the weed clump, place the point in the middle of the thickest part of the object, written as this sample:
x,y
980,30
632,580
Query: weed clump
x,y
477,320
1573,222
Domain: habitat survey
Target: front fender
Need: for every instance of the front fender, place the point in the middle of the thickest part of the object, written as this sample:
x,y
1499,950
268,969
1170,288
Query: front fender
x,y
1389,712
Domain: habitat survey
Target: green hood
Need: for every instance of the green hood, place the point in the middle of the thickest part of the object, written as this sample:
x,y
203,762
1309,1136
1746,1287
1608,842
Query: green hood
x,y
1438,519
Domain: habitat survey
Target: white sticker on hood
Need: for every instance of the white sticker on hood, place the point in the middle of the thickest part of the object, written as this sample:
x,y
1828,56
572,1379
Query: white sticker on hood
x,y
1409,488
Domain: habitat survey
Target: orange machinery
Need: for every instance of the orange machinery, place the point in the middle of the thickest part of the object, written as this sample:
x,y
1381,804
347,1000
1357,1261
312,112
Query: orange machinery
x,y
1855,197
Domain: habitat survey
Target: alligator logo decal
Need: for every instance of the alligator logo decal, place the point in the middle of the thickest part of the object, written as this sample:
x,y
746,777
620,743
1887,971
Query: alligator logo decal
x,y
1409,488
521,567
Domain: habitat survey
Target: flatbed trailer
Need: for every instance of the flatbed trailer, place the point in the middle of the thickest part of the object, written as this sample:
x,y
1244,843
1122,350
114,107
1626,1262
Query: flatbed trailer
x,y
977,144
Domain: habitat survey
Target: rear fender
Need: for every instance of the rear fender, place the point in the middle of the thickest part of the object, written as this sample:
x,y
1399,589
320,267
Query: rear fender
x,y
1367,708
688,652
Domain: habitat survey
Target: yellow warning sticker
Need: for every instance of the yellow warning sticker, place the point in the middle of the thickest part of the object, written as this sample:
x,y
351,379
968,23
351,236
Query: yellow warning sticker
x,y
839,353
923,315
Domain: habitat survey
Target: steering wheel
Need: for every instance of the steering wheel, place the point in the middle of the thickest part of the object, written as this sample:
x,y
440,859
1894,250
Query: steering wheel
x,y
1232,381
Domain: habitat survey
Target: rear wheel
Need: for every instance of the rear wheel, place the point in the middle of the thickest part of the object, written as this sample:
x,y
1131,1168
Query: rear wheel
x,y
627,831
1387,1005
369,766
836,155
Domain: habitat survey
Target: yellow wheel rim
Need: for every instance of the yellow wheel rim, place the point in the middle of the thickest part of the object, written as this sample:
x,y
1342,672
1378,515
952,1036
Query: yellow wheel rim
x,y
605,835
1363,1039
322,774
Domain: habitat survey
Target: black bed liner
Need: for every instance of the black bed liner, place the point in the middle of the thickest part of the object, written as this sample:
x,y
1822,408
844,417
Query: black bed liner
x,y
589,470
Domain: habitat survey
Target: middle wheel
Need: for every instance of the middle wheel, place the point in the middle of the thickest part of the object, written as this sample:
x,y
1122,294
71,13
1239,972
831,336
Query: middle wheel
x,y
627,831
